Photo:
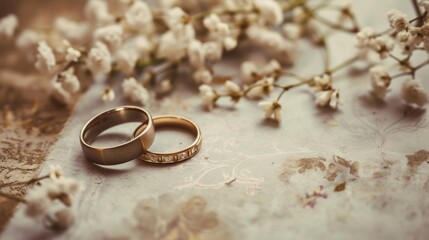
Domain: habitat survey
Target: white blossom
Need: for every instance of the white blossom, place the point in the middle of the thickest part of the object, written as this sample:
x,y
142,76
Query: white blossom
x,y
111,35
55,172
96,11
364,37
42,198
37,201
292,31
214,24
135,91
272,109
108,95
212,50
229,43
27,40
299,15
322,82
272,68
232,88
59,93
270,11
45,58
8,25
273,41
403,36
126,59
99,59
366,40
196,54
176,19
173,44
71,30
208,95
328,97
203,75
380,81
72,55
397,19
142,46
165,86
69,81
414,93
139,16
249,72
261,88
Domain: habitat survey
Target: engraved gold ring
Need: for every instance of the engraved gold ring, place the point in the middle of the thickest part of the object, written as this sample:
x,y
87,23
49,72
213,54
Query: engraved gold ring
x,y
124,152
172,157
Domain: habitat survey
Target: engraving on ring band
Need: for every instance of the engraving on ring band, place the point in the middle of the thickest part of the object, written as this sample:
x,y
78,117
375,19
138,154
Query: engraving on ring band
x,y
173,157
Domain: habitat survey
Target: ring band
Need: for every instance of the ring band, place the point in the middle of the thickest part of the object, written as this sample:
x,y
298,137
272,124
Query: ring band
x,y
172,121
124,152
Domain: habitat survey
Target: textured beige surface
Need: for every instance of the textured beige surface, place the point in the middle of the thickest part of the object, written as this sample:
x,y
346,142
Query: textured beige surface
x,y
255,180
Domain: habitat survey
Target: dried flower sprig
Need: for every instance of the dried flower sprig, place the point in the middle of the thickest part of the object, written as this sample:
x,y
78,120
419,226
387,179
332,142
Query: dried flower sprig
x,y
48,201
134,38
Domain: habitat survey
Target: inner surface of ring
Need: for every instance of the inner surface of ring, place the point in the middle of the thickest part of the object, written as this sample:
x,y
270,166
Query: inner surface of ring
x,y
113,118
168,122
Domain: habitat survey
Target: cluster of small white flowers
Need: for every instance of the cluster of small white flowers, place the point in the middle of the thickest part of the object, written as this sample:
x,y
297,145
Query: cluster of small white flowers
x,y
397,19
302,25
219,32
27,40
270,11
110,35
8,25
72,55
368,41
173,43
413,93
280,48
45,58
97,13
209,96
325,94
380,80
99,59
64,86
139,17
72,31
129,36
272,109
250,72
261,88
42,200
108,95
135,91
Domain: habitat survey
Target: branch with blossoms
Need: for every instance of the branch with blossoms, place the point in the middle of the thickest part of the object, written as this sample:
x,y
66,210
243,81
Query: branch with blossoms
x,y
50,200
145,45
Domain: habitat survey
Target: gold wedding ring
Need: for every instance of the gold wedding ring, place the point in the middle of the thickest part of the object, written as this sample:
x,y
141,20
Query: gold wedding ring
x,y
172,121
124,152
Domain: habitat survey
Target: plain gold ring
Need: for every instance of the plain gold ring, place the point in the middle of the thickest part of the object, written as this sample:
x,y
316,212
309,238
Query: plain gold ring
x,y
172,157
124,152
